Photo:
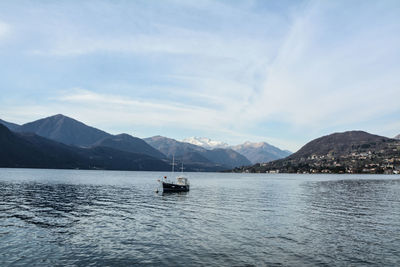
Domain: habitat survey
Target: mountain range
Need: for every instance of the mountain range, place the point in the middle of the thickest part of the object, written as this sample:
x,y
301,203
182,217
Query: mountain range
x,y
75,134
205,142
71,132
260,152
254,152
128,143
28,150
62,142
347,152
196,155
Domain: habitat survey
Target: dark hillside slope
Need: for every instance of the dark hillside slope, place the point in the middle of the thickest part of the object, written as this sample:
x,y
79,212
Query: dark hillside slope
x,y
32,151
28,150
9,125
128,143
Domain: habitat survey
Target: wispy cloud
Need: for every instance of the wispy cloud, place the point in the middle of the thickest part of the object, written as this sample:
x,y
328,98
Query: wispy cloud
x,y
108,108
167,40
323,77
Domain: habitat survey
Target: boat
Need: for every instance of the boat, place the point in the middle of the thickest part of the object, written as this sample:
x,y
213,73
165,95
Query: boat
x,y
181,185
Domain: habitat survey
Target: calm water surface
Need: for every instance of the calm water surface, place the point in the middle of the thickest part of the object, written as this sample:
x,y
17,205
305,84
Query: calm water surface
x,y
69,217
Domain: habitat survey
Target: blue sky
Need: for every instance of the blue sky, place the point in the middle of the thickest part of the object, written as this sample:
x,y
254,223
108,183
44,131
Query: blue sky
x,y
284,72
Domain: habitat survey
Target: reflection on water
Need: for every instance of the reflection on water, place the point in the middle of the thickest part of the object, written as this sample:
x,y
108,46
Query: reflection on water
x,y
50,217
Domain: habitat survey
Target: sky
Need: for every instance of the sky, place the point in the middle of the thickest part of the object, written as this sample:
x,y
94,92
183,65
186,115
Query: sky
x,y
284,72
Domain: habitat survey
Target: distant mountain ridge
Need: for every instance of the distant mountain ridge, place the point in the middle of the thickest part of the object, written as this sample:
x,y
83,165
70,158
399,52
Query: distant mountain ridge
x,y
397,136
347,152
193,154
185,153
128,143
205,142
255,152
260,152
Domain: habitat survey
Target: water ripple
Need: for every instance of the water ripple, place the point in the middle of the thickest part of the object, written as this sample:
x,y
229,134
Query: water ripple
x,y
115,218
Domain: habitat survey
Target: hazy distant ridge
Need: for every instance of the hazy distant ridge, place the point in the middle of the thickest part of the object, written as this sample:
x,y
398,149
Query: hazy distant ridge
x,y
192,154
260,152
255,152
128,143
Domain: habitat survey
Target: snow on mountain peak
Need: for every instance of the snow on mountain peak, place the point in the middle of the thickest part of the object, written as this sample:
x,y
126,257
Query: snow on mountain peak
x,y
205,142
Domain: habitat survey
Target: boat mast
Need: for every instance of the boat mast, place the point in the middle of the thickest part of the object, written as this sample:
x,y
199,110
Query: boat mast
x,y
173,163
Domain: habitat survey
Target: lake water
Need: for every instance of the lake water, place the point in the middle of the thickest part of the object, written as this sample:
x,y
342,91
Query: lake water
x,y
71,217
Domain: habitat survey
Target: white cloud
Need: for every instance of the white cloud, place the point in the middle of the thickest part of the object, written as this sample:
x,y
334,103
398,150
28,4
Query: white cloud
x,y
5,29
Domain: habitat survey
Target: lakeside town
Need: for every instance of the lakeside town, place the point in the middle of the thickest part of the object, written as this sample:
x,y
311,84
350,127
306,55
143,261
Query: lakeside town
x,y
367,163
378,157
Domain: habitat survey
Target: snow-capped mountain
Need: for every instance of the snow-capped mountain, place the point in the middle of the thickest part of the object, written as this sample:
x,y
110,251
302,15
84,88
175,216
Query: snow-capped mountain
x,y
205,142
255,152
197,157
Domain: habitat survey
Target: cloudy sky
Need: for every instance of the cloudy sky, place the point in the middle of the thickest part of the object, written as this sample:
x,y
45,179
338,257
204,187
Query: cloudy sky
x,y
284,72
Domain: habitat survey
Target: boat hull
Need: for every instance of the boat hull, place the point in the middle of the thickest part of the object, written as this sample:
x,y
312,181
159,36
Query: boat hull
x,y
171,187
